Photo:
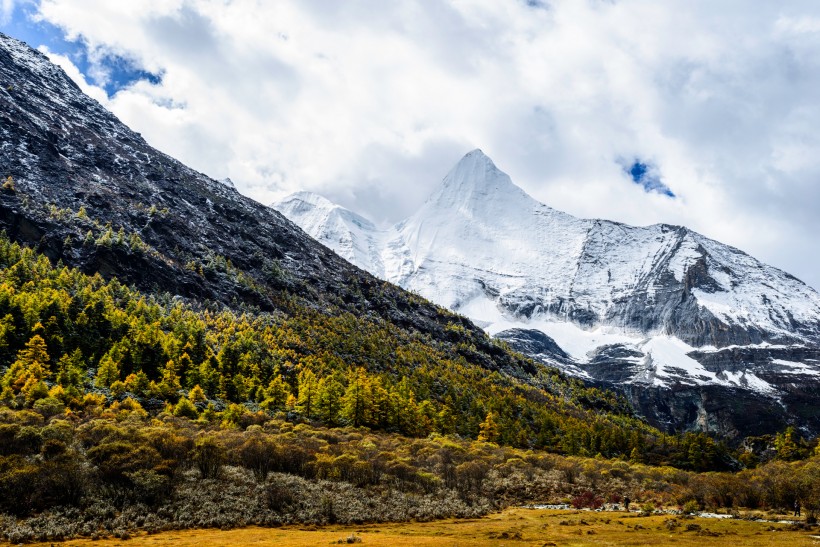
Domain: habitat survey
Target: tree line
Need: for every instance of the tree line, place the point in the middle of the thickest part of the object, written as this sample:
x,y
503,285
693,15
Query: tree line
x,y
65,336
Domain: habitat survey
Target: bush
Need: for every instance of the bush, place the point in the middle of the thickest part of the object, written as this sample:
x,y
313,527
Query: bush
x,y
28,440
587,499
186,409
279,496
690,507
258,454
116,460
49,406
8,435
149,487
209,456
53,448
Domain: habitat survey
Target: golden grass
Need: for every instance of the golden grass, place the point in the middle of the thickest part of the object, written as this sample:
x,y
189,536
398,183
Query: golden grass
x,y
513,527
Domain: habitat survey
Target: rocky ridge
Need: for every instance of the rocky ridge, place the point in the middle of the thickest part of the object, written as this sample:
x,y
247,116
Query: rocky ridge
x,y
84,189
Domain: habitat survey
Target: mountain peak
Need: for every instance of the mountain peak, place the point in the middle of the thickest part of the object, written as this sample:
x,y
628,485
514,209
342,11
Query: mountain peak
x,y
309,198
475,181
475,168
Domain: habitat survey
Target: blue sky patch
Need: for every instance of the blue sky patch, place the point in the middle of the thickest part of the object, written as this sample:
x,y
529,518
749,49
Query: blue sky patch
x,y
115,72
647,175
538,4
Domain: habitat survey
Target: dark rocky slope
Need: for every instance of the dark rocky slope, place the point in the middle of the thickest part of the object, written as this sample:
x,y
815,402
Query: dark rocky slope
x,y
87,190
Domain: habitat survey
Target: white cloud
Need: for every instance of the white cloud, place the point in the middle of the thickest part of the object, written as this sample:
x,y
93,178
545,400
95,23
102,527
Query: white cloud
x,y
93,91
6,10
371,103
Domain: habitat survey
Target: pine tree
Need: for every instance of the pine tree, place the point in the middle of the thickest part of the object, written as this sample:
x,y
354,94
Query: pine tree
x,y
328,398
308,385
785,445
446,420
355,404
30,367
169,384
70,370
186,409
489,430
209,375
196,395
405,408
137,383
276,394
184,366
108,372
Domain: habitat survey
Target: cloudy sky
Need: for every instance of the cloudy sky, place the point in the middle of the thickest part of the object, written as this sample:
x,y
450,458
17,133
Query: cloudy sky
x,y
700,113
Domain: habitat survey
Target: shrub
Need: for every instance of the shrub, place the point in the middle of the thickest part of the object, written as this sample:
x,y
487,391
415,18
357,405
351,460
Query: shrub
x,y
587,499
28,440
352,538
148,486
209,456
127,406
279,495
53,448
49,406
258,454
186,409
115,460
8,434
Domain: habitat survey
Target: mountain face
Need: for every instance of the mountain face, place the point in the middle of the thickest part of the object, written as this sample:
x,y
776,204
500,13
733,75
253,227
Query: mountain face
x,y
698,334
84,189
77,172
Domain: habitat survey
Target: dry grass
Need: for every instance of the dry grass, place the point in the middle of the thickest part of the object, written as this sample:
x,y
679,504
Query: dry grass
x,y
514,527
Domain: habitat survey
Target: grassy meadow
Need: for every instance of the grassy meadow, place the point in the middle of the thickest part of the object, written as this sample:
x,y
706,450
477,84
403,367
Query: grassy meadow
x,y
516,527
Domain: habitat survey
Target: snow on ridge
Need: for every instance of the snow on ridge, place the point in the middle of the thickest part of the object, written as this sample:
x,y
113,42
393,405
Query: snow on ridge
x,y
480,245
351,236
796,367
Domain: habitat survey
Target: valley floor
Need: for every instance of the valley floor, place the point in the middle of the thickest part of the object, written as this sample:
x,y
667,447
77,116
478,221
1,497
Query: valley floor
x,y
520,527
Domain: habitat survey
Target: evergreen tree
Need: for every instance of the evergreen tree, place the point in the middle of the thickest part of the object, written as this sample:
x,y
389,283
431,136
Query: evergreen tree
x,y
169,383
785,445
185,408
329,394
209,375
196,395
355,404
489,430
108,372
276,394
308,386
71,370
30,367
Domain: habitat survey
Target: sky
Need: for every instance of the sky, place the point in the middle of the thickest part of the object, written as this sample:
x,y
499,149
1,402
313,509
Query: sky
x,y
692,112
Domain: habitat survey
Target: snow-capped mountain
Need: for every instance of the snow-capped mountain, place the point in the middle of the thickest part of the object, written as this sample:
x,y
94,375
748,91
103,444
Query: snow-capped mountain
x,y
658,306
